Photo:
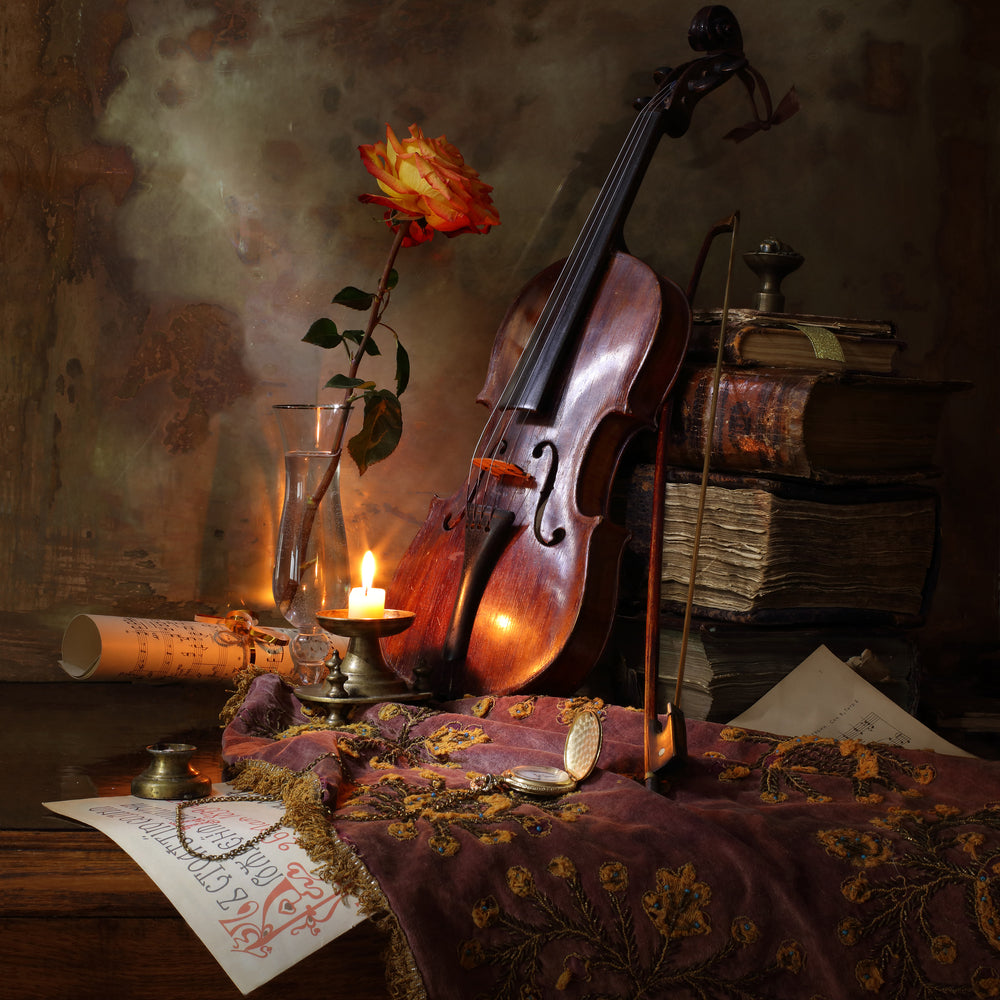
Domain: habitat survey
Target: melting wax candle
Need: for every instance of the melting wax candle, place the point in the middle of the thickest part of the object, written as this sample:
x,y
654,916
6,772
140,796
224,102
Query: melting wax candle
x,y
366,601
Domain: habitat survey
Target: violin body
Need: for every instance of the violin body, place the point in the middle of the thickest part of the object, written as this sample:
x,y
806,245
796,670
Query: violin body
x,y
514,578
547,595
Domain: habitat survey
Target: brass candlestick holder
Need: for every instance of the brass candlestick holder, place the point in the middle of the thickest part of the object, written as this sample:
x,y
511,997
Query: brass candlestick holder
x,y
170,774
361,677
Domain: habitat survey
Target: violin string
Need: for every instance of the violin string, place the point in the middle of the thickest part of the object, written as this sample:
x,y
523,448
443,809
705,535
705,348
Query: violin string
x,y
502,416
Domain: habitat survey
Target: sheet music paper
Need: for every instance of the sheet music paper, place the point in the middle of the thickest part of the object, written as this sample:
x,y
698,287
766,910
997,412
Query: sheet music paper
x,y
257,913
822,696
102,647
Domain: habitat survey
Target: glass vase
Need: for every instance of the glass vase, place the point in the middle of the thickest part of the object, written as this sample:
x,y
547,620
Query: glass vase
x,y
311,561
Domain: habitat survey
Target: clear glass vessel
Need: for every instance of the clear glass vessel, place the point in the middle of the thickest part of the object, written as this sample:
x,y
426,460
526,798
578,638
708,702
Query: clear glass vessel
x,y
311,562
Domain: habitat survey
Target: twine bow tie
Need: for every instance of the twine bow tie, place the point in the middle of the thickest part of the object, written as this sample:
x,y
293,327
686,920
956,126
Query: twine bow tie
x,y
242,627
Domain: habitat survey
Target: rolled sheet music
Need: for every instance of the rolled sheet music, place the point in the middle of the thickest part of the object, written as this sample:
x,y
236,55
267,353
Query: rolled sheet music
x,y
102,647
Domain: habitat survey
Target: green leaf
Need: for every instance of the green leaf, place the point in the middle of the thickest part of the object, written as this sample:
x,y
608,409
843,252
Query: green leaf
x,y
392,279
402,369
354,298
323,333
381,431
357,336
343,382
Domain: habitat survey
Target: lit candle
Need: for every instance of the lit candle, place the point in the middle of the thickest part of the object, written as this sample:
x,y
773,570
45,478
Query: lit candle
x,y
366,601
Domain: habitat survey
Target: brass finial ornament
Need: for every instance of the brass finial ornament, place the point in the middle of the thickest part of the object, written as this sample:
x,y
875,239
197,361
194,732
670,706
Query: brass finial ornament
x,y
772,262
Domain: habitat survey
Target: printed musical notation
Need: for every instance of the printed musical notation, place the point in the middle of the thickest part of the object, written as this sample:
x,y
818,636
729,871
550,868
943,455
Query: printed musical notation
x,y
103,647
822,696
872,728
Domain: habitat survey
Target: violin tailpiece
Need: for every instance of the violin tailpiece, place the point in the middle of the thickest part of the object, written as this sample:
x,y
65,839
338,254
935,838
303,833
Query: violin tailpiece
x,y
487,531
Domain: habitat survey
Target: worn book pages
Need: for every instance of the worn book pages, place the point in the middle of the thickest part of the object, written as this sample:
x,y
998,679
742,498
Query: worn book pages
x,y
824,697
727,668
791,340
259,912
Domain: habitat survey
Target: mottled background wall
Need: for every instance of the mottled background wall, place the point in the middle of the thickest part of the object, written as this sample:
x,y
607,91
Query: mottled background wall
x,y
178,202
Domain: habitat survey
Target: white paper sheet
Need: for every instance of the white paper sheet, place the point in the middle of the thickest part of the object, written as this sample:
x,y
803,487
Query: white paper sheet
x,y
258,913
822,696
103,647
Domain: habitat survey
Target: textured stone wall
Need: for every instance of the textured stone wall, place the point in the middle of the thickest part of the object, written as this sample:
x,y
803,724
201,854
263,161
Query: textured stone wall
x,y
178,202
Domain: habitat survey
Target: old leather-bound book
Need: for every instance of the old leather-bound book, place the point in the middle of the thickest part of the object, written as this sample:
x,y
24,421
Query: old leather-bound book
x,y
797,340
815,425
788,552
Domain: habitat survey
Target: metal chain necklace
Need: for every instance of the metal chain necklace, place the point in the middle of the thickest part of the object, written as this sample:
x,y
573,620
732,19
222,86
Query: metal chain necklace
x,y
243,797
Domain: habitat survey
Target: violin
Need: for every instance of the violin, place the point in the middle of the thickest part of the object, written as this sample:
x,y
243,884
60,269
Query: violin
x,y
514,578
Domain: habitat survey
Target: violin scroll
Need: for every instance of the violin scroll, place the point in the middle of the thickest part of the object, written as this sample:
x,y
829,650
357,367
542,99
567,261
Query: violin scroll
x,y
715,29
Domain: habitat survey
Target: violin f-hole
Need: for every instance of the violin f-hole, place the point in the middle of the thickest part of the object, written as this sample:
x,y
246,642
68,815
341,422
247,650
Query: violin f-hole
x,y
543,495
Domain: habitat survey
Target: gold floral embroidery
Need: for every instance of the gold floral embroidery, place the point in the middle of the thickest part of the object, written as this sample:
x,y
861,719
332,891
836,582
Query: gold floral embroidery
x,y
908,861
943,949
869,975
519,881
596,937
562,867
572,707
790,956
493,817
792,765
675,905
483,707
744,930
367,741
613,876
523,709
451,738
986,984
862,849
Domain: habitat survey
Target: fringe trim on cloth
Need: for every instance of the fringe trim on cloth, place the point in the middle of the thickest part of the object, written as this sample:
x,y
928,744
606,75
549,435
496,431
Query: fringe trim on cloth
x,y
300,793
242,680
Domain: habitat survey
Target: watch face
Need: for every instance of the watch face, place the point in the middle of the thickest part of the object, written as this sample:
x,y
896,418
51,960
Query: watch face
x,y
539,779
542,773
583,746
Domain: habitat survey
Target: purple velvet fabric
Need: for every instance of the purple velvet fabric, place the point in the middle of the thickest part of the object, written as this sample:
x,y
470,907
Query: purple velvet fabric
x,y
769,868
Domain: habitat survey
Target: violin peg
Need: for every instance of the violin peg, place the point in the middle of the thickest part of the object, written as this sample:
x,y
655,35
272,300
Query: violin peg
x,y
640,102
661,74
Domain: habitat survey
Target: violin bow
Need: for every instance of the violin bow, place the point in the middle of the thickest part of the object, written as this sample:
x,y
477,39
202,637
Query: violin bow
x,y
665,746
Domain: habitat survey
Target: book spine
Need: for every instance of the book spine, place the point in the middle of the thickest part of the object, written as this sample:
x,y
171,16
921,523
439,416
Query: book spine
x,y
758,425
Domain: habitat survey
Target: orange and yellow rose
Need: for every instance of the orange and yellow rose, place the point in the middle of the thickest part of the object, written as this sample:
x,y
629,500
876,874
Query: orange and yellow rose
x,y
427,186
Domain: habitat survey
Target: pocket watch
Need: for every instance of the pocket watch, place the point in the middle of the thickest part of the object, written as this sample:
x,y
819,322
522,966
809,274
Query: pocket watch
x,y
583,747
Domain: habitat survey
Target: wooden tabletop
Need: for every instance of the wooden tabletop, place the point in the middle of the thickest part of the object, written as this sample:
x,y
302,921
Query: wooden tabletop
x,y
79,739
78,917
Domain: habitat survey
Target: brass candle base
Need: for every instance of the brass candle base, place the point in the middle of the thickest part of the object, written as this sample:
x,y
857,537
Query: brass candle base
x,y
362,677
170,775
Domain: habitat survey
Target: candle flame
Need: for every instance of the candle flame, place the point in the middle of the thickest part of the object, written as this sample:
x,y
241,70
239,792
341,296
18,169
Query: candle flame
x,y
368,570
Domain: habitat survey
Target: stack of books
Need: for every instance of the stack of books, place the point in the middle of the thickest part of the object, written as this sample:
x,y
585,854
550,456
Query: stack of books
x,y
820,519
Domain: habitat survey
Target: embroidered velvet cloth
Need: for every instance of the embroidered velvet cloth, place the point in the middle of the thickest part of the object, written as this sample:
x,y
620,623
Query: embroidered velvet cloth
x,y
769,868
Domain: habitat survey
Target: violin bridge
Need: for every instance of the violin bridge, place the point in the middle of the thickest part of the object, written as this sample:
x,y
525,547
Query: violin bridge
x,y
507,471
